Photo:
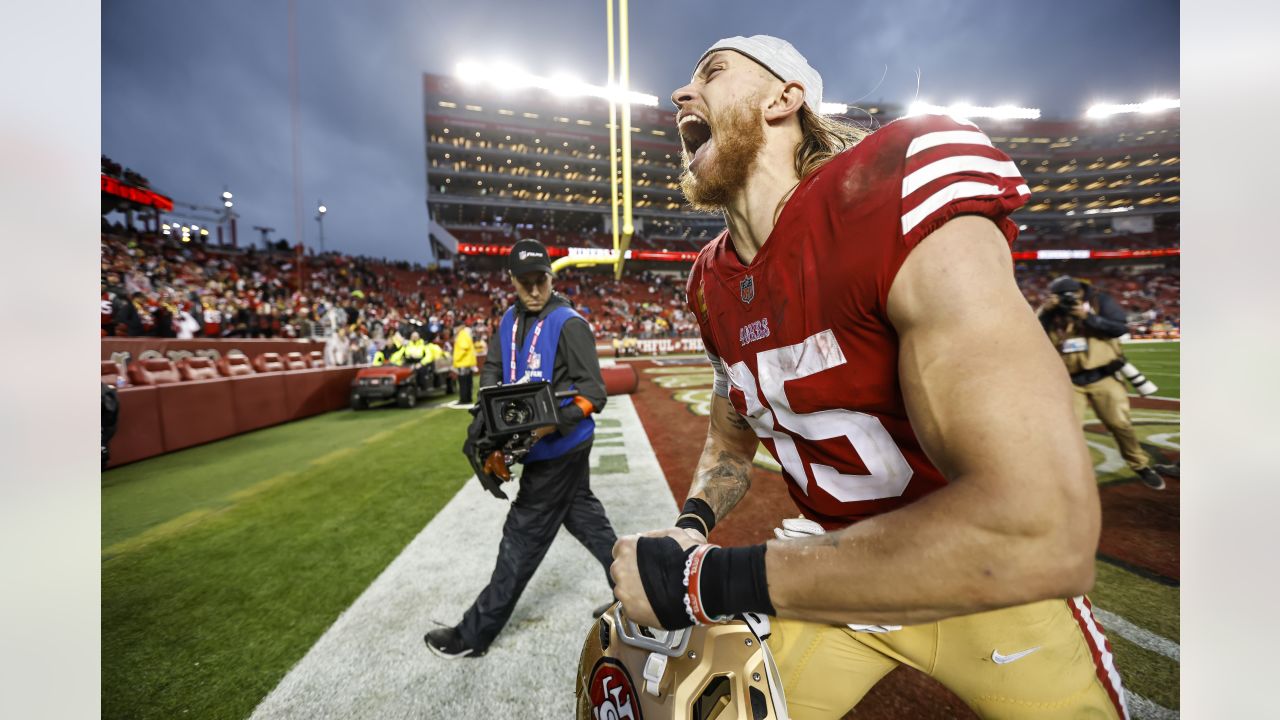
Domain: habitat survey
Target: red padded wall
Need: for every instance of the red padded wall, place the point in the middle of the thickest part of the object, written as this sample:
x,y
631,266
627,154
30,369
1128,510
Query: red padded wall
x,y
258,401
620,379
196,412
138,434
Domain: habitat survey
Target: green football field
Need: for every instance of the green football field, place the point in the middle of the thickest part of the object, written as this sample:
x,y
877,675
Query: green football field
x,y
1159,361
223,564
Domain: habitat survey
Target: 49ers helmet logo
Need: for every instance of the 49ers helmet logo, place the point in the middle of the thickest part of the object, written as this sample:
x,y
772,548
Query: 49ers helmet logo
x,y
613,696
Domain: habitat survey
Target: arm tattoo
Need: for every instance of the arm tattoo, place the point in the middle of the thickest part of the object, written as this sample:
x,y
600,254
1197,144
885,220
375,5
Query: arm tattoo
x,y
722,481
738,422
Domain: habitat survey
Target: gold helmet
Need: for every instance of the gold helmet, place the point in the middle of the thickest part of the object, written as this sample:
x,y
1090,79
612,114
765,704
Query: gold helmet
x,y
720,672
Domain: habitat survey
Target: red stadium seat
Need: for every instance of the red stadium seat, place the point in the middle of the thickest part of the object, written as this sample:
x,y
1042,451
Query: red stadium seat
x,y
197,368
111,372
153,371
234,365
295,361
316,358
268,362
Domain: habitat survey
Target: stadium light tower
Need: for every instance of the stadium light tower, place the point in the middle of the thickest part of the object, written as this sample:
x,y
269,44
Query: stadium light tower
x,y
228,215
320,211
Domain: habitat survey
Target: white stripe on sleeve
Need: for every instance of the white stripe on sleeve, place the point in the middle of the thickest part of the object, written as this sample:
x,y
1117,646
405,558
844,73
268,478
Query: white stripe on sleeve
x,y
954,191
958,164
948,137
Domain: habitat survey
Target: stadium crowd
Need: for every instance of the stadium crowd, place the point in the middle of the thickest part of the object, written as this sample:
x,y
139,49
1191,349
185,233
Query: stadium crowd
x,y
157,286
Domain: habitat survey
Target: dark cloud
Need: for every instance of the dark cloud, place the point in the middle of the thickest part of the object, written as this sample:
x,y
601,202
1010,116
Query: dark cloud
x,y
195,95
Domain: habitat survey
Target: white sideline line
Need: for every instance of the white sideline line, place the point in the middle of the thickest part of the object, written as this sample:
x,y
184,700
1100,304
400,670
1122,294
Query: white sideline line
x,y
1141,637
371,664
1141,708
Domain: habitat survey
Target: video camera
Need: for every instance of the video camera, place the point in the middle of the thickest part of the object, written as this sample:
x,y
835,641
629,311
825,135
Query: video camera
x,y
506,417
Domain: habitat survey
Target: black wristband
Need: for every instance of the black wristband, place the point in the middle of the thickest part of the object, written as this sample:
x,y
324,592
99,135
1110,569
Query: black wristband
x,y
699,509
660,562
733,582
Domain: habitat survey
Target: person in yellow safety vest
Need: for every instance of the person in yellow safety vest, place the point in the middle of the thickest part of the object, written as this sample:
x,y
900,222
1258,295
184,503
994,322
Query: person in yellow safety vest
x,y
388,351
415,352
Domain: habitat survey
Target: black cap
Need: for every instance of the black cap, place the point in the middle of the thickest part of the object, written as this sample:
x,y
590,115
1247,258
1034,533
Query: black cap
x,y
528,256
1066,283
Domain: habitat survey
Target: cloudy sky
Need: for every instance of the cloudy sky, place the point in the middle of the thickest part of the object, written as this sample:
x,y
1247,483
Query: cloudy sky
x,y
196,95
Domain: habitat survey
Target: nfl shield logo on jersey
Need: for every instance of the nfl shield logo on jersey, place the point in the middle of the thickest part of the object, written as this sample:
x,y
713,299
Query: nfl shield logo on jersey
x,y
747,290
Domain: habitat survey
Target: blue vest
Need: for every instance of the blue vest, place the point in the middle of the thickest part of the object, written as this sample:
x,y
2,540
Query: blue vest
x,y
540,365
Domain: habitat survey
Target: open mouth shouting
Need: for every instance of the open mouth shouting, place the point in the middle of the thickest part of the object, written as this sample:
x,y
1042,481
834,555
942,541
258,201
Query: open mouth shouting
x,y
695,137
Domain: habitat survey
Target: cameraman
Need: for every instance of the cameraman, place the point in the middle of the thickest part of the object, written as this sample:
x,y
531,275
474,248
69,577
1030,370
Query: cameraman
x,y
1085,326
540,338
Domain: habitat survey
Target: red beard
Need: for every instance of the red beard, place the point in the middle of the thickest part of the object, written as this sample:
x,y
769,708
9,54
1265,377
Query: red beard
x,y
738,139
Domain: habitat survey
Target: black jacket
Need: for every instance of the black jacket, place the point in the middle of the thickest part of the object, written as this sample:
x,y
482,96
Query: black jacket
x,y
576,361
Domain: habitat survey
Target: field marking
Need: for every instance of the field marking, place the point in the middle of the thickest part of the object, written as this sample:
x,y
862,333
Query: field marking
x,y
371,663
1141,708
166,529
1141,637
191,518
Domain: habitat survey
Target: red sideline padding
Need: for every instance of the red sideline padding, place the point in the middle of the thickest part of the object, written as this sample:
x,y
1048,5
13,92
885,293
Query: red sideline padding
x,y
195,412
139,434
259,401
620,379
160,419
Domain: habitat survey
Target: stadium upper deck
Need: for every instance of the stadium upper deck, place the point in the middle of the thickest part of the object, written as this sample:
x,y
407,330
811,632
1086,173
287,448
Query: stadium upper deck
x,y
527,162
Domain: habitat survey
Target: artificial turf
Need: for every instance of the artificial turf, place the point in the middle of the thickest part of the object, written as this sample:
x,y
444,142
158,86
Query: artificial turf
x,y
1159,361
206,605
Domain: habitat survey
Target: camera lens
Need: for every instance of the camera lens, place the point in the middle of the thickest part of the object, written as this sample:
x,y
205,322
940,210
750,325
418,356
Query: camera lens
x,y
516,412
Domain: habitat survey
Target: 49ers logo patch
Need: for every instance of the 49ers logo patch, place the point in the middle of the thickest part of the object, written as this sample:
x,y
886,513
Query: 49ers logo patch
x,y
612,694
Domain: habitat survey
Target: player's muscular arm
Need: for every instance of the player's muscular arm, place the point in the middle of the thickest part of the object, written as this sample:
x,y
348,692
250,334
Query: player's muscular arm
x,y
723,474
991,404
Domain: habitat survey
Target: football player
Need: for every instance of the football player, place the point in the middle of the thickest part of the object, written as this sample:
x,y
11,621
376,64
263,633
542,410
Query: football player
x,y
862,319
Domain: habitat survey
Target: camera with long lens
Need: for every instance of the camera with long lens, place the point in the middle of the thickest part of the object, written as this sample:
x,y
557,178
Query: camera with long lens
x,y
510,414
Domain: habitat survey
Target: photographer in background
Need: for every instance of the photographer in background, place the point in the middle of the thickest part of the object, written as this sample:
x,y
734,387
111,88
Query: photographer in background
x,y
541,338
1085,326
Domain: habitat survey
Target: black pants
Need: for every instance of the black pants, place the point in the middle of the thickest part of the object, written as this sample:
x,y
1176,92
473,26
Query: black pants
x,y
464,386
552,493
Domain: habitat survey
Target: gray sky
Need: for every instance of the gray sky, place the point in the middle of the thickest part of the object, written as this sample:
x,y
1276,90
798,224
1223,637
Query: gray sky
x,y
195,95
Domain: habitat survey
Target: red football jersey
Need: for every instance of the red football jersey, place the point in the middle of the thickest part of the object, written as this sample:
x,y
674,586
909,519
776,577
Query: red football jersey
x,y
802,331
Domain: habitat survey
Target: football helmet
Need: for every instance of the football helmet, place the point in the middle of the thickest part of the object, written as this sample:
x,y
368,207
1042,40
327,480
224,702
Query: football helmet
x,y
718,672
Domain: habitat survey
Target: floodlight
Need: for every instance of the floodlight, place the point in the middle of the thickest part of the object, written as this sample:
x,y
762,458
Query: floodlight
x,y
969,110
470,72
564,85
1104,110
227,203
505,76
226,194
323,209
828,108
203,231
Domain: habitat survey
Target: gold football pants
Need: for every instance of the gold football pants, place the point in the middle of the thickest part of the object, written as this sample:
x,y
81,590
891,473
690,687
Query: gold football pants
x,y
1044,660
1111,404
